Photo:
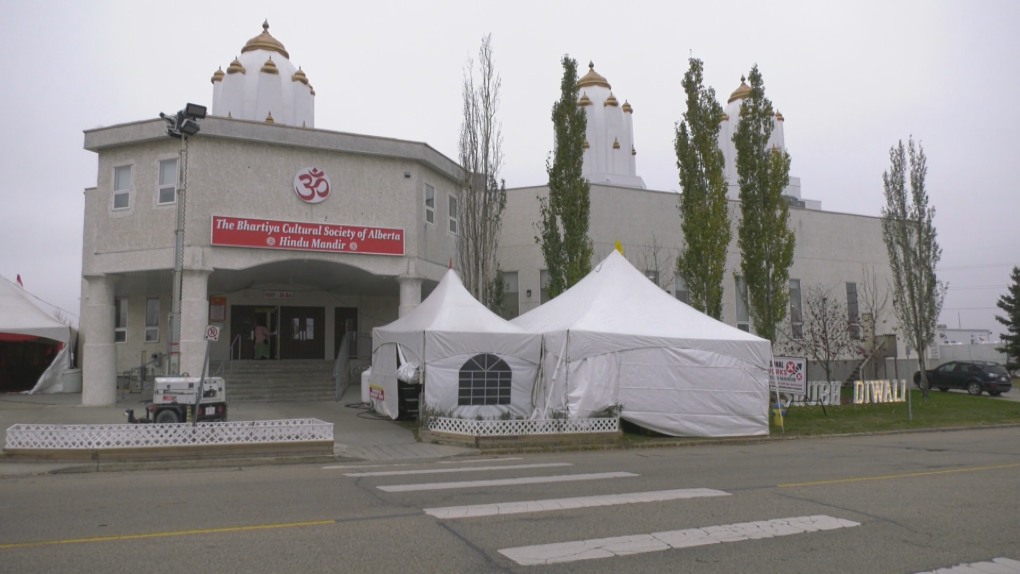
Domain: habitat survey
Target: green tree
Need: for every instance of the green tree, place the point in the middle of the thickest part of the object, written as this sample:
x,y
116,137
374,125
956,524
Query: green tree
x,y
704,210
763,234
563,230
1010,304
909,232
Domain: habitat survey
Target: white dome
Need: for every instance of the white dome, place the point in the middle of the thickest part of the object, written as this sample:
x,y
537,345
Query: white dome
x,y
261,82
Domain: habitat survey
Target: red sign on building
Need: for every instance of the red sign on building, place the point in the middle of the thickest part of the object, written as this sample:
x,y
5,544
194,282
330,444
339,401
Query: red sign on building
x,y
299,236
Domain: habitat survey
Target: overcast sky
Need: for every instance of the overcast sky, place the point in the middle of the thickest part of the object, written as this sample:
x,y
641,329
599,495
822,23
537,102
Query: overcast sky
x,y
850,78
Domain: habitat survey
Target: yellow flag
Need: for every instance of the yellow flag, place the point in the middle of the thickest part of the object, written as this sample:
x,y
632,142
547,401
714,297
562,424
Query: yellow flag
x,y
619,247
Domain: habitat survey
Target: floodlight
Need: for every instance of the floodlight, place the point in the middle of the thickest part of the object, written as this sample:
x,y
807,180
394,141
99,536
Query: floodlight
x,y
194,111
188,128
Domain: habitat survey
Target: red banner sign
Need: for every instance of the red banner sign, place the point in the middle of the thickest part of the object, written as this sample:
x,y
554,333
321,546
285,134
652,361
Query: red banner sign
x,y
300,236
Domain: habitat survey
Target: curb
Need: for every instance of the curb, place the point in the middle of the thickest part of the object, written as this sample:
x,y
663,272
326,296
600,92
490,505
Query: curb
x,y
114,466
677,443
181,464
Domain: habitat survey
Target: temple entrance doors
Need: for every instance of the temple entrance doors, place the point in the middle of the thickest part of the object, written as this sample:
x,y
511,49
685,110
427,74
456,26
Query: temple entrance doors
x,y
245,319
302,333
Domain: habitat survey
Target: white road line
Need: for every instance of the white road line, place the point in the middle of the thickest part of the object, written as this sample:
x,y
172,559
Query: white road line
x,y
466,469
505,481
480,460
996,566
346,466
501,508
658,541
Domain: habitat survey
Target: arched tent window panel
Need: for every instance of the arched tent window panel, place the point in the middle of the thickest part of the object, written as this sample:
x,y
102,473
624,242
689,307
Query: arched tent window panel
x,y
484,380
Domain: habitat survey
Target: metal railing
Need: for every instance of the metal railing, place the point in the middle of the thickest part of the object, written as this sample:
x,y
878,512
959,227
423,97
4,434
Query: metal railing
x,y
138,379
228,360
340,367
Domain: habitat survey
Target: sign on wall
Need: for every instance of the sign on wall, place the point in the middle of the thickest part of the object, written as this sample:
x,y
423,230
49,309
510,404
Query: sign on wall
x,y
278,294
789,375
300,236
217,309
312,185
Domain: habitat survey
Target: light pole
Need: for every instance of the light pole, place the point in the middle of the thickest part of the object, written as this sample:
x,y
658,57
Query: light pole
x,y
182,125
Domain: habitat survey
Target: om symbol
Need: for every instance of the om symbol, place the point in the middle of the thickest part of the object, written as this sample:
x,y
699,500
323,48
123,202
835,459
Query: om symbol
x,y
311,184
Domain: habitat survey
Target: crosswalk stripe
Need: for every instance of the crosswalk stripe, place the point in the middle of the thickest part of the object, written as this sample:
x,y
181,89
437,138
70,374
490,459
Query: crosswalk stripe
x,y
997,565
347,466
480,460
502,508
505,481
674,539
466,469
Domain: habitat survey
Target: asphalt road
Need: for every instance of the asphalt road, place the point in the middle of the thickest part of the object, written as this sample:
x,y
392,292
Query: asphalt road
x,y
897,503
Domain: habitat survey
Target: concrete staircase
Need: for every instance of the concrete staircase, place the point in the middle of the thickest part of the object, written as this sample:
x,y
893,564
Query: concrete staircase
x,y
274,381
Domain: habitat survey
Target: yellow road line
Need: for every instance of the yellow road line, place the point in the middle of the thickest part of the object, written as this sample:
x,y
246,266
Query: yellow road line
x,y
165,534
888,476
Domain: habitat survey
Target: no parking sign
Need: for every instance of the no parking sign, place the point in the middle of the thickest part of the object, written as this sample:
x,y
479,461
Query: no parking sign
x,y
212,333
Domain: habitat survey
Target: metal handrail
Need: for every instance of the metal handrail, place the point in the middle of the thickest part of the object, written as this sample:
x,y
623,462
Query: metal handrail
x,y
138,374
340,367
230,354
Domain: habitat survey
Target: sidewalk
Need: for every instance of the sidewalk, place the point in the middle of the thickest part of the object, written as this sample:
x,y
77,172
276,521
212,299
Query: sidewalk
x,y
356,434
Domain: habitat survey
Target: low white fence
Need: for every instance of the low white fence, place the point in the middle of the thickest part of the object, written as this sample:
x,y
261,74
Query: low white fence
x,y
64,437
520,427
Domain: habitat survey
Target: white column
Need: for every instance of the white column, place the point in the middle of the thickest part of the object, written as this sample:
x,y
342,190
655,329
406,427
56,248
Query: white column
x,y
99,355
410,294
194,318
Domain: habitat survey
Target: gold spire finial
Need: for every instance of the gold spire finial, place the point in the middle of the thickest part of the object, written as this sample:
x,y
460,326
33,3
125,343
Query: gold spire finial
x,y
270,67
585,146
592,78
235,67
269,118
633,151
299,76
742,91
265,41
217,75
627,108
616,143
584,101
611,101
779,116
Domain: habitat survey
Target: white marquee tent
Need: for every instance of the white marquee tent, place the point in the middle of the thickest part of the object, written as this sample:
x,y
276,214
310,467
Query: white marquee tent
x,y
617,338
22,321
474,363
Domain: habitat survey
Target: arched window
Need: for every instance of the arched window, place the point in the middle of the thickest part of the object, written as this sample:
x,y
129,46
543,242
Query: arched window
x,y
484,380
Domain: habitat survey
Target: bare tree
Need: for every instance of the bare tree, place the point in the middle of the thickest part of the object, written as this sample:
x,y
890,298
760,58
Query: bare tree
x,y
873,301
483,194
826,336
658,262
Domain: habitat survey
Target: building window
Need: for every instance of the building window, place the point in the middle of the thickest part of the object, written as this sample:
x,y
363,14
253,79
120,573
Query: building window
x,y
453,215
544,280
852,317
430,204
796,310
484,380
743,317
122,187
511,295
152,320
120,318
680,289
167,181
